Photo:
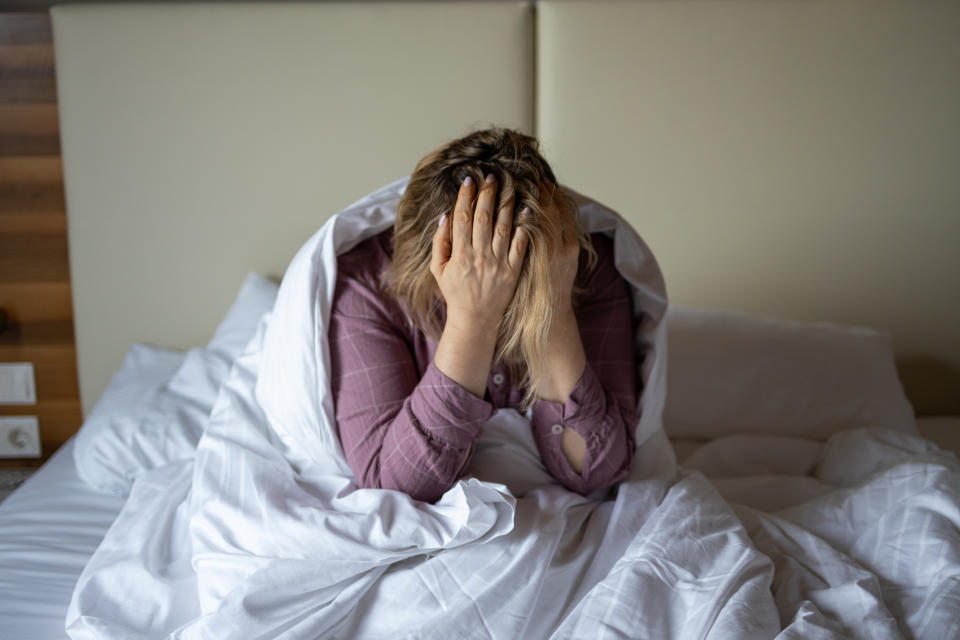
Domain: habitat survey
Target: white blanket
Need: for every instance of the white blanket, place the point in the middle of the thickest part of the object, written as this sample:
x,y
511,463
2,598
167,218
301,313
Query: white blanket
x,y
263,534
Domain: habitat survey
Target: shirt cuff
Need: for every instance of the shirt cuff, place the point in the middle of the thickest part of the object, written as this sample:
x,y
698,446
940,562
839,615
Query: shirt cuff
x,y
450,413
583,411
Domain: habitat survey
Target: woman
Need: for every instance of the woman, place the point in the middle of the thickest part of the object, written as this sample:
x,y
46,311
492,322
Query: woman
x,y
487,293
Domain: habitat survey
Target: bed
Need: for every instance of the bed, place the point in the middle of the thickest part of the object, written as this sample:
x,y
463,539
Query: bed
x,y
807,488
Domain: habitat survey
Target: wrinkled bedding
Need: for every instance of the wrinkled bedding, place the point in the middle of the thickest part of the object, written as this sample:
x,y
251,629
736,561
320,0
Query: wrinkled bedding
x,y
261,532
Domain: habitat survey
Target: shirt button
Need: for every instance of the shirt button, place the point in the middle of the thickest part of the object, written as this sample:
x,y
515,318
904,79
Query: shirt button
x,y
557,429
498,379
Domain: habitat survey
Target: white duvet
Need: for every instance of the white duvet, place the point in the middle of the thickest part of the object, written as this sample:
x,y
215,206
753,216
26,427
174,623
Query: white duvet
x,y
263,534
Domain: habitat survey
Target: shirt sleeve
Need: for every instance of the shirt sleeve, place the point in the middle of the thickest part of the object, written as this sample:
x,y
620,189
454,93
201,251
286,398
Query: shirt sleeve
x,y
397,432
602,406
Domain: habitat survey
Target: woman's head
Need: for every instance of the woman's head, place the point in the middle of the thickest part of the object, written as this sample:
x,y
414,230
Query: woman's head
x,y
521,171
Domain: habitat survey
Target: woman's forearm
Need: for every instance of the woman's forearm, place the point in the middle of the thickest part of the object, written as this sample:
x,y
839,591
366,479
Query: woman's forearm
x,y
565,362
476,266
465,353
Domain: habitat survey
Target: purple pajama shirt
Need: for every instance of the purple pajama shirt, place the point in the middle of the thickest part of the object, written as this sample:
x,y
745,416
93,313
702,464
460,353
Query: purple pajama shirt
x,y
405,425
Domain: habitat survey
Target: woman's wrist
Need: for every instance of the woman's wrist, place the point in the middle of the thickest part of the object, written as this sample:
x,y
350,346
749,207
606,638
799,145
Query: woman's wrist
x,y
471,325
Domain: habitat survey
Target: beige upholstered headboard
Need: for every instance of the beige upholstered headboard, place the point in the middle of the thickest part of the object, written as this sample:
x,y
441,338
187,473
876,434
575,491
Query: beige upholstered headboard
x,y
794,158
797,158
202,141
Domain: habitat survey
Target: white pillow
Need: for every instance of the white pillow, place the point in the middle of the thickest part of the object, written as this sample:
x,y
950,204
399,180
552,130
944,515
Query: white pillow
x,y
117,438
731,373
256,297
203,371
158,404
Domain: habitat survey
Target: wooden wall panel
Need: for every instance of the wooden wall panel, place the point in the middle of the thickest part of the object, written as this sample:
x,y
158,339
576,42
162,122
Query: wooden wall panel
x,y
34,271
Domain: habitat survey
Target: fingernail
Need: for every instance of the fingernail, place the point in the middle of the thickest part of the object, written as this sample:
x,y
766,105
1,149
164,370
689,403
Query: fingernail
x,y
467,181
443,219
491,178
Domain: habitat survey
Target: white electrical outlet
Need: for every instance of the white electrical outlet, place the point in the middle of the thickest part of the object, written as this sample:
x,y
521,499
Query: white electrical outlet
x,y
19,437
17,383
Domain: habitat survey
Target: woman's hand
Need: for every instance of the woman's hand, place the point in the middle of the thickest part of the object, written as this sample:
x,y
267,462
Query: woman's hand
x,y
474,261
476,267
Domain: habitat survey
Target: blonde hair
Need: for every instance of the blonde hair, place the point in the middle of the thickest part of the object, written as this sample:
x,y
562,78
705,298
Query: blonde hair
x,y
521,171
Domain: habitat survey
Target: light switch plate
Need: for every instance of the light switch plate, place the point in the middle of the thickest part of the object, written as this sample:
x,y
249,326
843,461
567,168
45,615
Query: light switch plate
x,y
19,437
17,383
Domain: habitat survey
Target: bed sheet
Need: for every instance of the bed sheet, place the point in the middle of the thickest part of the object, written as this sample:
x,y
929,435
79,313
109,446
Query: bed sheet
x,y
49,528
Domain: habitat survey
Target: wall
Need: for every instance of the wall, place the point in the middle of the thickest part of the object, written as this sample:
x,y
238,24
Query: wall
x,y
34,269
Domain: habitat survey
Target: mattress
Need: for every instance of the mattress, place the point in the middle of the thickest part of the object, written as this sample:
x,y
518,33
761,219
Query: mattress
x,y
49,527
52,523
